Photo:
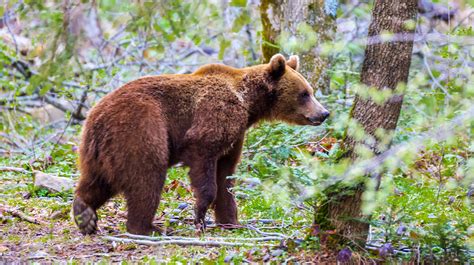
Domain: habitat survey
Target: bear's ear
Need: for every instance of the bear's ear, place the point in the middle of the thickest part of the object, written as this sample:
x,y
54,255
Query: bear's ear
x,y
294,62
277,65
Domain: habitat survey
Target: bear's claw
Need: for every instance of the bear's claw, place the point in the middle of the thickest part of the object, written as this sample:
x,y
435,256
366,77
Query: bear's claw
x,y
84,217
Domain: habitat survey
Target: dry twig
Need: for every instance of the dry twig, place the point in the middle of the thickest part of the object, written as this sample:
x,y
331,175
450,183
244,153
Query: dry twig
x,y
22,216
266,234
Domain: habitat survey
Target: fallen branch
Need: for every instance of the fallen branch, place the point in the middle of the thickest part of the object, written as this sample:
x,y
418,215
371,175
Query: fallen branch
x,y
263,221
183,242
164,238
267,234
14,169
22,216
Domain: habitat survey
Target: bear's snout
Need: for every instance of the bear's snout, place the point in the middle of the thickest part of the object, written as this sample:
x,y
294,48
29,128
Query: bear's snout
x,y
320,118
325,115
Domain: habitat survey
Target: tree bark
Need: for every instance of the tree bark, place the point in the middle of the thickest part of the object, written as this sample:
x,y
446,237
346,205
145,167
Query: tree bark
x,y
280,16
385,66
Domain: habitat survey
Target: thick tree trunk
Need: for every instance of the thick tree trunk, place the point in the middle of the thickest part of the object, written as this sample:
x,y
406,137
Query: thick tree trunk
x,y
280,16
385,66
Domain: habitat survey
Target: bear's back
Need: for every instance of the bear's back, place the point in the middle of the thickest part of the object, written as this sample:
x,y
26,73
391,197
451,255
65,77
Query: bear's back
x,y
174,96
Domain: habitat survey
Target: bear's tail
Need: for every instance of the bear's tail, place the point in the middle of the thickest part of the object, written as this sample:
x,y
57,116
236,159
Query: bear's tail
x,y
84,216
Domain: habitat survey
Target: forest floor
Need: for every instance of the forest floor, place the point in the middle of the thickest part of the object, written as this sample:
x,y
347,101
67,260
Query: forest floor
x,y
35,225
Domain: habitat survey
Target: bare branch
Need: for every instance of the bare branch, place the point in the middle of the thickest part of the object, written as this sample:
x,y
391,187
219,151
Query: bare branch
x,y
373,166
61,106
265,233
435,80
6,19
162,238
187,242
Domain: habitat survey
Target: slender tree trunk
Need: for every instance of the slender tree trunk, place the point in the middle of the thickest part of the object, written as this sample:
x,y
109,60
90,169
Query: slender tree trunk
x,y
280,16
385,66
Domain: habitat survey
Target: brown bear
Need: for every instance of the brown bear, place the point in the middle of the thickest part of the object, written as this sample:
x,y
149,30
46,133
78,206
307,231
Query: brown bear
x,y
134,134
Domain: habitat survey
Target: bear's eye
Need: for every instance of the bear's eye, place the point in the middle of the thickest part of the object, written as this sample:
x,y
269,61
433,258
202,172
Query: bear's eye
x,y
304,95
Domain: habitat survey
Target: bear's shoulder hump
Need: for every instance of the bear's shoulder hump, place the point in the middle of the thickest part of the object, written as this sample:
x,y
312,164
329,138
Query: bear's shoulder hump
x,y
217,69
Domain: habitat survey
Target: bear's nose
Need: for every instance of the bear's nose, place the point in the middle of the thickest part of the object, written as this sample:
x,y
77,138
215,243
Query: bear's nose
x,y
325,115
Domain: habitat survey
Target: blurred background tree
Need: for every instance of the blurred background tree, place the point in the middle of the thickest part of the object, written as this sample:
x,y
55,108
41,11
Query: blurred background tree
x,y
299,27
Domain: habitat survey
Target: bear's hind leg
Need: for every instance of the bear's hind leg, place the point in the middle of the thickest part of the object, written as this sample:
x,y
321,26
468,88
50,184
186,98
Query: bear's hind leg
x,y
90,195
142,203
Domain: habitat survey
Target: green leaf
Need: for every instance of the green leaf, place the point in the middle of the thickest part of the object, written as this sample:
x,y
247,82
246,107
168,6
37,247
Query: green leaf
x,y
242,20
238,3
45,88
224,44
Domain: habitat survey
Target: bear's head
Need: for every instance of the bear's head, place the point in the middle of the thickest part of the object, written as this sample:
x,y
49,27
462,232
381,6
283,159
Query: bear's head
x,y
295,101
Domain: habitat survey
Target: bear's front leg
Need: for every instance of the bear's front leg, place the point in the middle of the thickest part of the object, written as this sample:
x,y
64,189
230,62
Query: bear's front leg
x,y
225,206
203,181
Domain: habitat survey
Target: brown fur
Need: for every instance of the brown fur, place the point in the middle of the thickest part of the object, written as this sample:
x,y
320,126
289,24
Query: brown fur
x,y
138,131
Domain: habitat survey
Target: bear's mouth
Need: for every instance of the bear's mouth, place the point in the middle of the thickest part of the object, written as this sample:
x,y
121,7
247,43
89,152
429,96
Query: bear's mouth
x,y
315,123
312,121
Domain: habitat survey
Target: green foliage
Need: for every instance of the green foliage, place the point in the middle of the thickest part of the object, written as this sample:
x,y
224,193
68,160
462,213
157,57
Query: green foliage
x,y
305,39
424,203
421,215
